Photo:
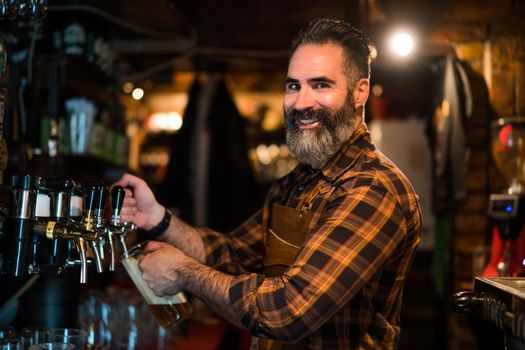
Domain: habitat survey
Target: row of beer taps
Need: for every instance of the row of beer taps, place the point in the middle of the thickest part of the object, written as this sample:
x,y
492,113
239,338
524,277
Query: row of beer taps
x,y
54,224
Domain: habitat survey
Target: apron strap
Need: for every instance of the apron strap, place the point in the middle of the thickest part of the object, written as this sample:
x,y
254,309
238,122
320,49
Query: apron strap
x,y
309,198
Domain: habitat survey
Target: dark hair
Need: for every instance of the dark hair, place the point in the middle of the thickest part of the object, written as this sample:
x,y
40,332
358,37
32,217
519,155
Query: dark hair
x,y
355,44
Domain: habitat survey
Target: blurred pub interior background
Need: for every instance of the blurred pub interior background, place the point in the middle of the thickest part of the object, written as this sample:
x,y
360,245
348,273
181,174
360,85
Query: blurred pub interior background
x,y
188,94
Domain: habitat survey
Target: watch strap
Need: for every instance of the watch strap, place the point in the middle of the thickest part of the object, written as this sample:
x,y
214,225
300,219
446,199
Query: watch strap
x,y
160,228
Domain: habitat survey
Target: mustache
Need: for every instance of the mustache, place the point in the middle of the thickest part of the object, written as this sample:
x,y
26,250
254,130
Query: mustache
x,y
291,116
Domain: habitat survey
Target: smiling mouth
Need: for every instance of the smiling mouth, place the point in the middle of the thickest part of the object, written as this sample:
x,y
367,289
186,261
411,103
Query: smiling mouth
x,y
308,123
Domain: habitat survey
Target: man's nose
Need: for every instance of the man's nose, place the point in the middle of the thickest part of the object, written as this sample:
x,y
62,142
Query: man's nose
x,y
305,99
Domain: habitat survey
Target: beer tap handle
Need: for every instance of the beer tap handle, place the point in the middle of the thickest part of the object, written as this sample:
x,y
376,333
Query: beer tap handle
x,y
95,194
117,199
90,202
90,196
101,203
100,224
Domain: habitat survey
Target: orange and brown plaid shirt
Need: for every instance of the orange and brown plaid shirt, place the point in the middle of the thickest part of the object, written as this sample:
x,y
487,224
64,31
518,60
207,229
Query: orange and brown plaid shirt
x,y
344,289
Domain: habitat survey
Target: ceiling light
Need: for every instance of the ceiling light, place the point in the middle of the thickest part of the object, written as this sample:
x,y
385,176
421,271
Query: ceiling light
x,y
168,122
137,93
402,43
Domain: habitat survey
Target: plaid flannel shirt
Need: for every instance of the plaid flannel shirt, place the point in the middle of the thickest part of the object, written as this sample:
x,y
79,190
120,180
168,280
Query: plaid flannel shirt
x,y
344,289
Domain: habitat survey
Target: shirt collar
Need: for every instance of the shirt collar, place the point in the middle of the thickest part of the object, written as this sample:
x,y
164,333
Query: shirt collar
x,y
348,154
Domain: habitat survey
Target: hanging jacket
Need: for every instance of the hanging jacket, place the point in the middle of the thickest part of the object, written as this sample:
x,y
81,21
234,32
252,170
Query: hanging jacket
x,y
209,178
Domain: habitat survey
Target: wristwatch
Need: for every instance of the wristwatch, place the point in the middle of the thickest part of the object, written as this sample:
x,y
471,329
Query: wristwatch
x,y
161,227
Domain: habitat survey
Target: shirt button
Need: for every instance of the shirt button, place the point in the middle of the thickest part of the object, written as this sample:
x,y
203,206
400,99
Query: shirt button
x,y
301,188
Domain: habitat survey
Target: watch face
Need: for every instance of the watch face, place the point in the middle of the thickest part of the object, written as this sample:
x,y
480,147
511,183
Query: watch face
x,y
3,57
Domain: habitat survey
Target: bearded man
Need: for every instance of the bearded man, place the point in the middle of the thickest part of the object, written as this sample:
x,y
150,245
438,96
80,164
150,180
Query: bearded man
x,y
322,265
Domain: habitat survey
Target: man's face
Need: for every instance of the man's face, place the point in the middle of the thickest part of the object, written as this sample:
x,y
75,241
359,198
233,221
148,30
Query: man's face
x,y
318,104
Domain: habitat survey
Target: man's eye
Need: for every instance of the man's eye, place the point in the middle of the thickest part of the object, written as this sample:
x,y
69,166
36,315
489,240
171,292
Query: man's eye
x,y
293,87
320,85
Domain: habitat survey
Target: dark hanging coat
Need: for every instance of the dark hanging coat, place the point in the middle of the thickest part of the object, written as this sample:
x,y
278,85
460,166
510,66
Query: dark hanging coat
x,y
232,194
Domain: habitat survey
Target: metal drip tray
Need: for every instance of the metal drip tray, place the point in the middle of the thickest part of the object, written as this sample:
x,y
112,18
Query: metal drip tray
x,y
501,301
502,285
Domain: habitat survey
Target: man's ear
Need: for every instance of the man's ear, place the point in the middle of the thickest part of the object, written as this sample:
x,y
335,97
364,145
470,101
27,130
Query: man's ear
x,y
361,91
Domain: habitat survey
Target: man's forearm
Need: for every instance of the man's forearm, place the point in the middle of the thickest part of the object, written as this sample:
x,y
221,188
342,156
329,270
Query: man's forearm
x,y
185,238
211,286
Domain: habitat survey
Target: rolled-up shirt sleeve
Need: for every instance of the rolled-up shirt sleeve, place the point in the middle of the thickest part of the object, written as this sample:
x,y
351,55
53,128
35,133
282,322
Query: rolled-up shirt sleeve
x,y
236,252
359,230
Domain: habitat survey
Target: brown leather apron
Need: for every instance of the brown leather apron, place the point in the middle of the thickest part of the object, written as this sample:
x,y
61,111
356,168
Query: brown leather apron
x,y
285,234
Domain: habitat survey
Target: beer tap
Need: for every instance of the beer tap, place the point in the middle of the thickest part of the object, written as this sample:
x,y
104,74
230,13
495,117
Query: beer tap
x,y
50,242
98,245
100,225
92,221
59,194
117,198
55,230
19,224
42,213
78,232
75,216
116,227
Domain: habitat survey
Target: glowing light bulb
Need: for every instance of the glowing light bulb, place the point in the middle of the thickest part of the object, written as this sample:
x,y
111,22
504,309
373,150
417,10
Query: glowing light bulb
x,y
402,43
137,93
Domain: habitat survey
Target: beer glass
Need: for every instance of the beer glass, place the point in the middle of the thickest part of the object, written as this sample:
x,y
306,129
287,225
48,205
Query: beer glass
x,y
168,310
91,318
77,337
11,344
34,335
7,333
52,346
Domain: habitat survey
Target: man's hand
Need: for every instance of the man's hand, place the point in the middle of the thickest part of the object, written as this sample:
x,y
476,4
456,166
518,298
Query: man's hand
x,y
161,265
168,270
140,206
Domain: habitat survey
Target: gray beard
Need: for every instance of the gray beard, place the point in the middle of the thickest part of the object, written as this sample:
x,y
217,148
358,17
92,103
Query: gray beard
x,y
316,146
